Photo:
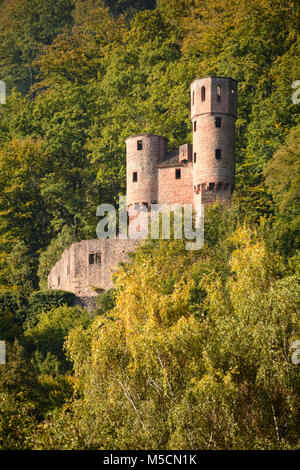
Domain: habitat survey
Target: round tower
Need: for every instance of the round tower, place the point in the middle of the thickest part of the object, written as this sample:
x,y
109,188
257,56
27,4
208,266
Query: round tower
x,y
143,154
213,115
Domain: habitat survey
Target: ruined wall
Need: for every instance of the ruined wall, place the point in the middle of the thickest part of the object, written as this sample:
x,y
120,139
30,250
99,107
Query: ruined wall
x,y
89,263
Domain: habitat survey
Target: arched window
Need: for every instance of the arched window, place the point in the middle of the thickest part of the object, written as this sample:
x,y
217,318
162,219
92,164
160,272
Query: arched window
x,y
195,126
203,93
218,92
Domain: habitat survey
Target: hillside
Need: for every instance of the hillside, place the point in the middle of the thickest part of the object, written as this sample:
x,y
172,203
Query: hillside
x,y
189,350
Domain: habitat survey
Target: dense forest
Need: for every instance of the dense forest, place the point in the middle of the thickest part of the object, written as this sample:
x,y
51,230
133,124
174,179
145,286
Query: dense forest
x,y
190,349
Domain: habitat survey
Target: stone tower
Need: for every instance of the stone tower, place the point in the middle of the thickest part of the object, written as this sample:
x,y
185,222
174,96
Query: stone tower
x,y
144,152
213,115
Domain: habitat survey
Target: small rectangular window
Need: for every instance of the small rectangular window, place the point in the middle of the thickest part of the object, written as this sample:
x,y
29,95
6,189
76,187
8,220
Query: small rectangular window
x,y
218,154
140,145
178,173
195,126
134,177
218,93
195,157
218,121
91,258
98,258
203,93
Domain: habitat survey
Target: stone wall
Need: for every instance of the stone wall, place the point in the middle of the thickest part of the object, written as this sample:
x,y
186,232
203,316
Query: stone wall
x,y
172,190
211,196
89,263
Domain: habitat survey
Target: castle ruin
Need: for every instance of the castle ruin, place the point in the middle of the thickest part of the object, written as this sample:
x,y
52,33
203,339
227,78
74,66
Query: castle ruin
x,y
193,174
197,173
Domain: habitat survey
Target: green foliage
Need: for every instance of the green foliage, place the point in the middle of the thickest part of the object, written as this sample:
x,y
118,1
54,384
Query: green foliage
x,y
45,300
24,220
168,370
19,390
106,301
16,423
30,388
282,172
24,27
22,268
48,335
283,182
9,328
15,303
127,6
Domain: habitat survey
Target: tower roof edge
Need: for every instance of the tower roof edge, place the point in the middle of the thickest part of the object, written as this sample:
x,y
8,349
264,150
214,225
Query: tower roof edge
x,y
213,76
145,135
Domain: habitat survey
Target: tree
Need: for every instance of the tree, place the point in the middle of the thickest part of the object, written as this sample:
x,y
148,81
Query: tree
x,y
24,27
168,369
125,6
24,216
49,333
283,182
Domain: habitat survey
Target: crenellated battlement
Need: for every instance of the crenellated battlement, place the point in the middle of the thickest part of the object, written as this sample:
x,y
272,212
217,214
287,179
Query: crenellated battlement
x,y
214,186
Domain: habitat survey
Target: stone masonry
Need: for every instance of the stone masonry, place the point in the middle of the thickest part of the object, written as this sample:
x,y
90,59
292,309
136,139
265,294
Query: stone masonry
x,y
88,264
